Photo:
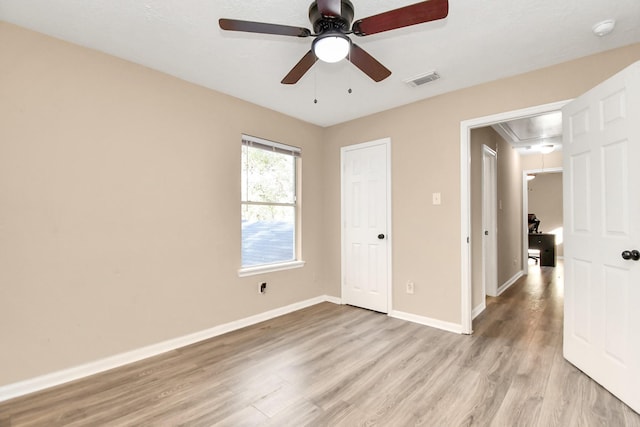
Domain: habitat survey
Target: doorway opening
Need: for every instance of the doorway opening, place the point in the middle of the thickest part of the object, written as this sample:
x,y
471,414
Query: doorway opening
x,y
466,204
542,198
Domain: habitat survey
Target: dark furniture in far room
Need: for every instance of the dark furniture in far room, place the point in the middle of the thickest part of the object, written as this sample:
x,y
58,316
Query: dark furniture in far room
x,y
534,223
546,244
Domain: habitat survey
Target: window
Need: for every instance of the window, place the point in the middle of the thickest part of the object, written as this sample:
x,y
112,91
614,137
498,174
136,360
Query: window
x,y
269,205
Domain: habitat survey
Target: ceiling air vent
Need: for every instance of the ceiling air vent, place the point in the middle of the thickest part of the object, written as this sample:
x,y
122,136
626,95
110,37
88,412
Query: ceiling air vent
x,y
422,79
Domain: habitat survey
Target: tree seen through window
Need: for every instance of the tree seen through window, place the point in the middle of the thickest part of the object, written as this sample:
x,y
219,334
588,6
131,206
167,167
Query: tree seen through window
x,y
268,205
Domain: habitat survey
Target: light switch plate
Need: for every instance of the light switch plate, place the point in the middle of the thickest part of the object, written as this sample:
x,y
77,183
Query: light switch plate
x,y
436,199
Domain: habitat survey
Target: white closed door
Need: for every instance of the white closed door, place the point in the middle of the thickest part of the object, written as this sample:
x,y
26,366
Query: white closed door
x,y
489,221
602,231
366,244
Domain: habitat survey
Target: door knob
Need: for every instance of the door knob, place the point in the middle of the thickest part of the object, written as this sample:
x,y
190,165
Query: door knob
x,y
380,236
634,255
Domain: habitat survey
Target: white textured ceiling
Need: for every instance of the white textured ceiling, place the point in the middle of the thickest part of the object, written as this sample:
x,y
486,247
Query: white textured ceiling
x,y
480,41
530,135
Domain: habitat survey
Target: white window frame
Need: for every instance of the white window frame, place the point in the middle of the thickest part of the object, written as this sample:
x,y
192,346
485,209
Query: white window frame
x,y
296,152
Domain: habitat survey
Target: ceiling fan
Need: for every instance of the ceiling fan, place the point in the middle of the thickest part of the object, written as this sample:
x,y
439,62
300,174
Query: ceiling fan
x,y
331,21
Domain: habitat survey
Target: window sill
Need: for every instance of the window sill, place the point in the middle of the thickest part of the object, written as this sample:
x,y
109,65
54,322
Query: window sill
x,y
260,269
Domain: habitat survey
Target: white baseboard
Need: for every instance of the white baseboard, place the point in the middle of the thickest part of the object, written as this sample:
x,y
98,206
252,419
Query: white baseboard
x,y
506,285
478,310
335,300
427,321
60,377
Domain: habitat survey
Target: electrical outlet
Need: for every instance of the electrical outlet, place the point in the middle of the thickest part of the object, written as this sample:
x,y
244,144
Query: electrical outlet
x,y
262,287
410,287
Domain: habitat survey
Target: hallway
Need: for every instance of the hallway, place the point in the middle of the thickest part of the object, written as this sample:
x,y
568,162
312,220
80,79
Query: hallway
x,y
528,319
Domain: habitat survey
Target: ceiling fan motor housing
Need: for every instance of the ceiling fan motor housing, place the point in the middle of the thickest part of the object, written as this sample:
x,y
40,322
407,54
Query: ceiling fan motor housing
x,y
322,24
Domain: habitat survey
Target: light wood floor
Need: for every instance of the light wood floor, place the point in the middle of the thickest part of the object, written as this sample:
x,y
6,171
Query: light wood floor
x,y
332,365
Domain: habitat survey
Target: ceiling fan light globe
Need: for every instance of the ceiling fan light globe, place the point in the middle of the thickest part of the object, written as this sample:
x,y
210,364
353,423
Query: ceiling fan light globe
x,y
331,48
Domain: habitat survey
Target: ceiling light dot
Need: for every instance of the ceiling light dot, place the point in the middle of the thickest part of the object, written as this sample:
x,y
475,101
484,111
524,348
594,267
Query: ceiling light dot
x,y
603,28
546,149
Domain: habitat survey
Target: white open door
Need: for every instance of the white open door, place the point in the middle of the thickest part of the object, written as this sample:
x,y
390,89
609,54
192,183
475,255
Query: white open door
x,y
602,229
366,245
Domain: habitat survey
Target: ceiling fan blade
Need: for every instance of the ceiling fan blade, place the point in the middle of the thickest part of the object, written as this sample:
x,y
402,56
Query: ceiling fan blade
x,y
263,28
329,7
300,68
367,63
426,11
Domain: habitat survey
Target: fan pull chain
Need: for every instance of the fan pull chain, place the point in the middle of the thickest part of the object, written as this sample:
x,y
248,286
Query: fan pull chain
x,y
349,73
315,86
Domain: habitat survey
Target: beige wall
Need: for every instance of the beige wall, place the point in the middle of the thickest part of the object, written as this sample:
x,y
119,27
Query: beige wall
x,y
545,200
120,207
119,193
509,212
540,162
426,158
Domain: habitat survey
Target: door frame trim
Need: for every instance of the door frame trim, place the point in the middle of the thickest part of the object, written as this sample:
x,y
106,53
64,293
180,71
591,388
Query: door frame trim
x,y
465,196
389,234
